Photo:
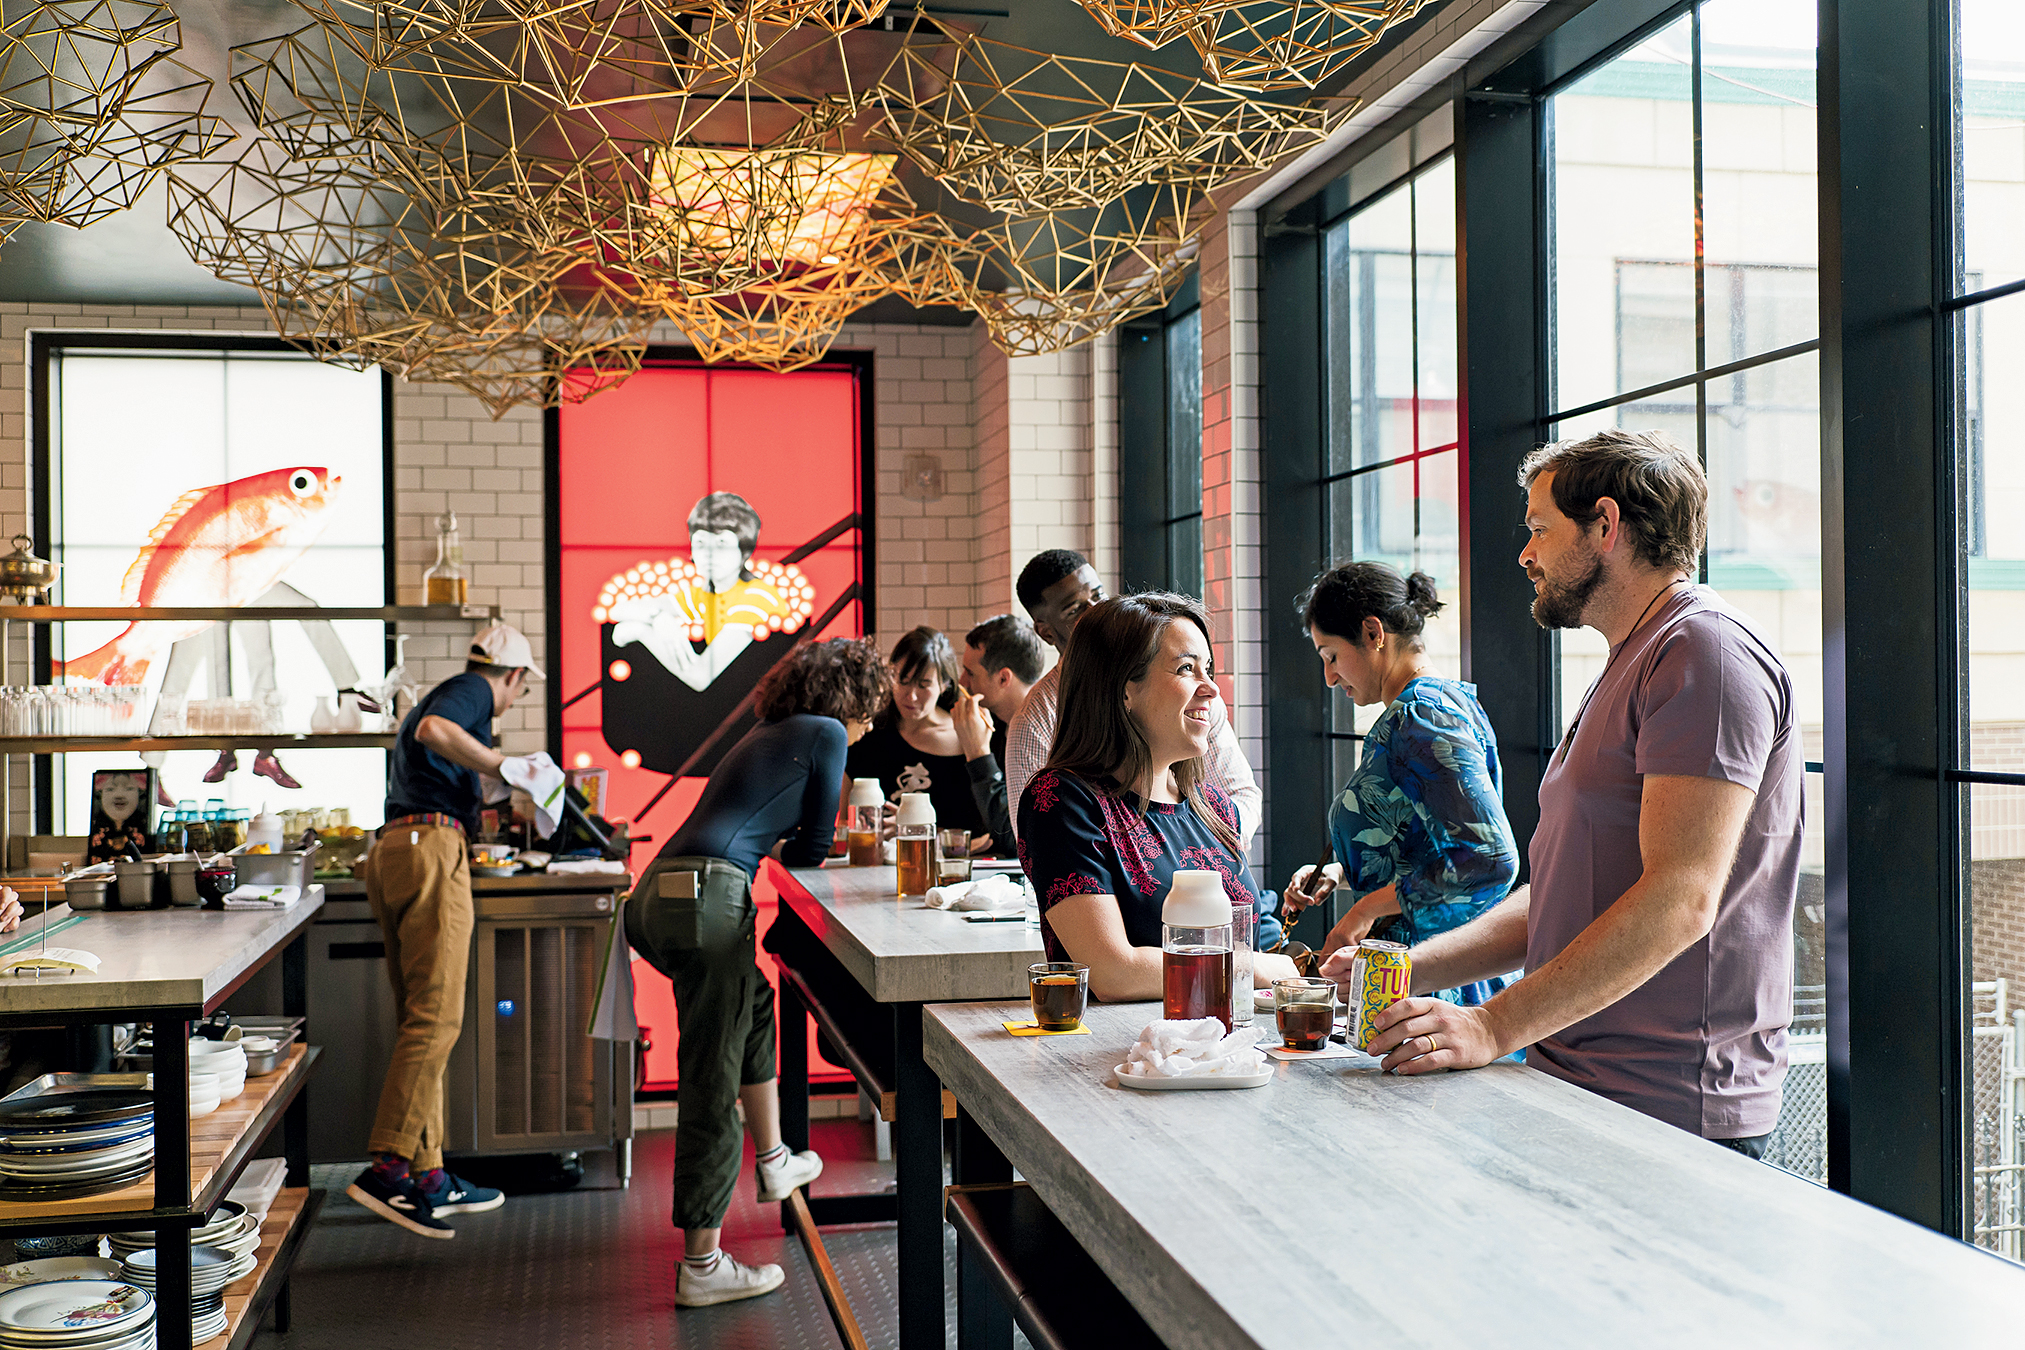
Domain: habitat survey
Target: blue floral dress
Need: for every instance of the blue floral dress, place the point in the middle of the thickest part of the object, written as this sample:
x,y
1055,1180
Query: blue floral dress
x,y
1425,812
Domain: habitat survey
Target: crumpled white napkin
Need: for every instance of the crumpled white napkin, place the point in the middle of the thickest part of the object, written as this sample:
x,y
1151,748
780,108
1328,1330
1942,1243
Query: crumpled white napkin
x,y
996,892
1194,1049
537,776
564,867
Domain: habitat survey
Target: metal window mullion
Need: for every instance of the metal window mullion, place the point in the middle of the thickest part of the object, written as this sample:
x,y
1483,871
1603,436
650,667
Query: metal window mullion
x,y
1652,391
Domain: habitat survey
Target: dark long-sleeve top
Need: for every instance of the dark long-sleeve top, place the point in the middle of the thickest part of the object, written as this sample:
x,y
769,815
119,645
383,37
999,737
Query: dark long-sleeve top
x,y
987,789
781,781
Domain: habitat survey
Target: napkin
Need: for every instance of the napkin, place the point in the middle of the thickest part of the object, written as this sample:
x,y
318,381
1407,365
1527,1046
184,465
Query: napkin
x,y
984,893
67,960
1197,1048
257,896
565,867
537,776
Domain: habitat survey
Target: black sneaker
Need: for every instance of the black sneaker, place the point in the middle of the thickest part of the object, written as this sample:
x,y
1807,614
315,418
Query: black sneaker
x,y
399,1201
458,1196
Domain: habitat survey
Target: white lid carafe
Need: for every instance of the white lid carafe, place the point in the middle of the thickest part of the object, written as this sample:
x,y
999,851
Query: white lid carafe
x,y
1195,948
867,804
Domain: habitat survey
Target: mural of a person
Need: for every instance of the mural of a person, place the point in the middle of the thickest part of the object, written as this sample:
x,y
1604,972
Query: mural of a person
x,y
119,814
710,624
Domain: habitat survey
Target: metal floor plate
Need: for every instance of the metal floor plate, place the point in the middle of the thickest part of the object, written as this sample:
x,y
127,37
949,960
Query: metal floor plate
x,y
587,1269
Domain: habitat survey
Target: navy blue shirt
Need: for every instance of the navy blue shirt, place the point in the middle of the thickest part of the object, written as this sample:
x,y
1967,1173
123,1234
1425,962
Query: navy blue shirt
x,y
1076,838
781,781
421,780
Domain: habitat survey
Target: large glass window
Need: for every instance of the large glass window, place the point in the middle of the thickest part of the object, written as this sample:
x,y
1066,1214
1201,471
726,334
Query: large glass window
x,y
1160,448
1683,284
1988,335
1390,466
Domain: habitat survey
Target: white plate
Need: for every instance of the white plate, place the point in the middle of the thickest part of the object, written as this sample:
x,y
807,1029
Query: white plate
x,y
73,1306
1203,1083
78,1162
61,1268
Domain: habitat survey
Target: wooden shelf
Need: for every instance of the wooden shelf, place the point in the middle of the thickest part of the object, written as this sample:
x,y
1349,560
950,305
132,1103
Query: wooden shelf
x,y
279,740
244,613
220,1144
288,1223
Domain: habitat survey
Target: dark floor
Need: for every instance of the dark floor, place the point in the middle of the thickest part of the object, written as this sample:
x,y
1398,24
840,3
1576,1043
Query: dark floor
x,y
585,1269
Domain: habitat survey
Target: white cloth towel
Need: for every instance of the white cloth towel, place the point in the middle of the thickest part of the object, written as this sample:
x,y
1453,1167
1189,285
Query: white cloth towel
x,y
996,892
537,776
1193,1049
586,867
252,896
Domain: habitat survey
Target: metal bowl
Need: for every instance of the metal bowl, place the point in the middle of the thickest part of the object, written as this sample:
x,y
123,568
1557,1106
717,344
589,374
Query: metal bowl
x,y
24,576
87,892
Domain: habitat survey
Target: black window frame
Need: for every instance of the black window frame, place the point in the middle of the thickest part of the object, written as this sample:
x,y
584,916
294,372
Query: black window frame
x,y
1151,458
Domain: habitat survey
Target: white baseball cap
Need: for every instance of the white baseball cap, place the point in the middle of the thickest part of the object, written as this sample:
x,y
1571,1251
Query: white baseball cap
x,y
503,645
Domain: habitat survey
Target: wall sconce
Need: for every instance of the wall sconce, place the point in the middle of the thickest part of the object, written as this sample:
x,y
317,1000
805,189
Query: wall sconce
x,y
921,478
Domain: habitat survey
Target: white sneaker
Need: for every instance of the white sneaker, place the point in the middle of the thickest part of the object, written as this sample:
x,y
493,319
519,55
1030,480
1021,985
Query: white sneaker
x,y
778,1180
728,1282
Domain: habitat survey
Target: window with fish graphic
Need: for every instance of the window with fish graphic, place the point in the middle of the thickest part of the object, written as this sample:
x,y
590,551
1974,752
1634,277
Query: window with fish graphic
x,y
183,477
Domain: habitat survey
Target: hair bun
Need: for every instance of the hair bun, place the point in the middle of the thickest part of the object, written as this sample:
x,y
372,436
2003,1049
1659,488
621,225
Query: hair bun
x,y
1421,595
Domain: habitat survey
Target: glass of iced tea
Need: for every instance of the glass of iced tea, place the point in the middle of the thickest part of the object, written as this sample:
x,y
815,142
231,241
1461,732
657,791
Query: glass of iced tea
x,y
1306,1011
1060,991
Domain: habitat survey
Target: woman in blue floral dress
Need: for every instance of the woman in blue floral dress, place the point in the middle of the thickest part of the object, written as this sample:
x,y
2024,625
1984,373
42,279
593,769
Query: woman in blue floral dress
x,y
1419,831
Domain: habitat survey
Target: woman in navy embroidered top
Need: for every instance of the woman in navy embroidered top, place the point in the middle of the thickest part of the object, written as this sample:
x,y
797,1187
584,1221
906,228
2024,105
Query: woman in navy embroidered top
x,y
1122,804
1419,832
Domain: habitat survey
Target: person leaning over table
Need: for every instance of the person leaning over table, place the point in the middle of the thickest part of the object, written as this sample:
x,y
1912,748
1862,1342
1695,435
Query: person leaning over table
x,y
1419,831
1657,934
1002,657
418,883
1123,802
774,793
1058,587
913,746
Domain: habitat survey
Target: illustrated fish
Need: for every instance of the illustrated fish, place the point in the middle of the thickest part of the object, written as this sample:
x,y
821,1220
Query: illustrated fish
x,y
216,546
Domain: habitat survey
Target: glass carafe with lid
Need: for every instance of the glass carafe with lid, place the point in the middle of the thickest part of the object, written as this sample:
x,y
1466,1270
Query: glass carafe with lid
x,y
916,844
868,807
446,583
1195,948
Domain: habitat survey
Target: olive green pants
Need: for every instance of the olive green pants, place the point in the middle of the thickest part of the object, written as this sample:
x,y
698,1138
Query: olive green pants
x,y
724,1014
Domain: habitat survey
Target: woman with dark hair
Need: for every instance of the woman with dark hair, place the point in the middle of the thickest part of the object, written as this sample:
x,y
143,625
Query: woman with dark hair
x,y
913,747
1123,802
1419,832
691,916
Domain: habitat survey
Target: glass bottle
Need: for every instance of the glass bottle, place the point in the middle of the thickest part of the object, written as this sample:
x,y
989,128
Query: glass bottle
x,y
916,872
196,831
1195,949
446,583
868,804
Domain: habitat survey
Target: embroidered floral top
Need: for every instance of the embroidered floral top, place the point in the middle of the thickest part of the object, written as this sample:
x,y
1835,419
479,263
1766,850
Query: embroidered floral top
x,y
1425,811
1077,840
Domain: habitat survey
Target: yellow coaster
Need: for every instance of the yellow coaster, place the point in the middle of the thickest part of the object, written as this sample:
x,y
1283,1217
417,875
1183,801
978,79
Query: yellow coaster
x,y
1029,1029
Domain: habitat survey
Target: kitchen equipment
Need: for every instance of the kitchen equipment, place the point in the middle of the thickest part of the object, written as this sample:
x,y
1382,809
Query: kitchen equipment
x,y
291,867
212,885
182,874
23,576
87,892
136,884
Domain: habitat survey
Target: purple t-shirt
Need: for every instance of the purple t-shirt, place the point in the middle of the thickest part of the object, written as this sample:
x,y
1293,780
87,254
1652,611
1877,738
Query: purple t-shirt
x,y
1701,1045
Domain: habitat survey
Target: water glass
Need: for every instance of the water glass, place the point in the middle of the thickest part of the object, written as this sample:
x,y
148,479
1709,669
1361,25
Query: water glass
x,y
1060,991
954,866
1306,1011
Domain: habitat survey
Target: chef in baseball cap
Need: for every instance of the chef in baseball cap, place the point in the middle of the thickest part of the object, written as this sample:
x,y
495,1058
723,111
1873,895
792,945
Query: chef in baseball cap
x,y
418,881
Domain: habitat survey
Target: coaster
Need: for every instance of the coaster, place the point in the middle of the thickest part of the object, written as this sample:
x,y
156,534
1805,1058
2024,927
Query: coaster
x,y
1330,1050
1029,1029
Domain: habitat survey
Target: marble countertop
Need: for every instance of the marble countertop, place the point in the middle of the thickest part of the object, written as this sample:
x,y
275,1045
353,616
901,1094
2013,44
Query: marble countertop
x,y
901,951
155,957
1499,1207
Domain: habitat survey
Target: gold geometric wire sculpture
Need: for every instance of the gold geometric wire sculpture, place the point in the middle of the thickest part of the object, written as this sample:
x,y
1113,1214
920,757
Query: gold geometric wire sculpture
x,y
1258,44
92,107
1022,131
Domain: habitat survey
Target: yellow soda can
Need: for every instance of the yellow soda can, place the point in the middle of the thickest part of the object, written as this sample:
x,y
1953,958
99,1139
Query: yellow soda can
x,y
1381,976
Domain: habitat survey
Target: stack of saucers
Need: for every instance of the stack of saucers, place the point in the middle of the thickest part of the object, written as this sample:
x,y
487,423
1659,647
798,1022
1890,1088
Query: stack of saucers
x,y
75,1143
77,1315
211,1269
225,1060
228,1227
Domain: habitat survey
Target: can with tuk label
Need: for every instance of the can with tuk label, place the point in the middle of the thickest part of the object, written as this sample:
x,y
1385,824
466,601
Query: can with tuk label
x,y
1381,975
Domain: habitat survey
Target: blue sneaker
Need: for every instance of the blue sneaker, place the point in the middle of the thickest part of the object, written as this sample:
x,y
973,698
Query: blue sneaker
x,y
458,1196
399,1201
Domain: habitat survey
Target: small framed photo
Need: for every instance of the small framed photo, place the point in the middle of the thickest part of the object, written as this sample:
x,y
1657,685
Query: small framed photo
x,y
122,813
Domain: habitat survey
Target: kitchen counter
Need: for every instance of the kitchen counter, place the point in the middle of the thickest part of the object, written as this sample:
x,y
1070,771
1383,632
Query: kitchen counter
x,y
351,889
1496,1207
156,958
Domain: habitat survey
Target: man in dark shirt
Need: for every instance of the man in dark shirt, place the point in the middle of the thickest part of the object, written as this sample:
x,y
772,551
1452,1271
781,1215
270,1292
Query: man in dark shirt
x,y
418,882
1002,657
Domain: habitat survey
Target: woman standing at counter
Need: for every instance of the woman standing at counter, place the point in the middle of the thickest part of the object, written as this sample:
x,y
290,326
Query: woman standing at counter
x,y
774,792
913,746
1122,804
1419,831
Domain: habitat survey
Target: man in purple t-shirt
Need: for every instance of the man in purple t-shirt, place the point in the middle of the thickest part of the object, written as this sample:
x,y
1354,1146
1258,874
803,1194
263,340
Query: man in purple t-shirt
x,y
1657,934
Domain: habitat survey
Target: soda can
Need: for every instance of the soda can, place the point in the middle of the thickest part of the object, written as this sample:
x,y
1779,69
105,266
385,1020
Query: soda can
x,y
1381,975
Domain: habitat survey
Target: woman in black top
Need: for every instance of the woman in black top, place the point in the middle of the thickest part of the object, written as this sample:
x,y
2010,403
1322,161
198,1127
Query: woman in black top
x,y
774,793
913,747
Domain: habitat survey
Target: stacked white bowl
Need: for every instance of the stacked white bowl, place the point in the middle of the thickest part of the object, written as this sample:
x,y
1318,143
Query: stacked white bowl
x,y
223,1060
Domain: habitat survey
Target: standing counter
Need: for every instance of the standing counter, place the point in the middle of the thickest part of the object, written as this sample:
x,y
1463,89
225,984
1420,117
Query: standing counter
x,y
1495,1207
168,967
864,962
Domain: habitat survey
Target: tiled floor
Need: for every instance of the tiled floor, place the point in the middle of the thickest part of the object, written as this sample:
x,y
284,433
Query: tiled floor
x,y
584,1270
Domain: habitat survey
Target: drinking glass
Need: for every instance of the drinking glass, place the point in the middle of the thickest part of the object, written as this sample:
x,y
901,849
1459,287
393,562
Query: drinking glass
x,y
1306,1011
954,866
1060,991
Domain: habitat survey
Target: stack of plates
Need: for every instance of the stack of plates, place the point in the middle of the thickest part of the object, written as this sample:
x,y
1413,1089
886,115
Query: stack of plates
x,y
77,1315
60,1268
69,1144
211,1269
228,1227
223,1060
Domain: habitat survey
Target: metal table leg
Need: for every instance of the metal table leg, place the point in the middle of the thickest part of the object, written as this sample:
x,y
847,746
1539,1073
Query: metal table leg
x,y
983,1322
917,1166
793,1039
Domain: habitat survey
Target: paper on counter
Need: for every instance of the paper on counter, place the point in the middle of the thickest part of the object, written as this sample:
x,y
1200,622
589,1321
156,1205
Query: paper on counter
x,y
68,960
1030,1028
1331,1050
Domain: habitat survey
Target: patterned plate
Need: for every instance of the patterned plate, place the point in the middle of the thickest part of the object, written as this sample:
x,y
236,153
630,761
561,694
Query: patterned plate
x,y
78,1310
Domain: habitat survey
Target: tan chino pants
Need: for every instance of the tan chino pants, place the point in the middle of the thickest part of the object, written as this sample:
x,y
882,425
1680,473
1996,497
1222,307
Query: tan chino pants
x,y
418,882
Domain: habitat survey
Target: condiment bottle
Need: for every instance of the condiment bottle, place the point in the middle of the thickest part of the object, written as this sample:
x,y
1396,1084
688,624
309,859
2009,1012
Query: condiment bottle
x,y
917,843
868,804
446,582
265,828
1195,948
